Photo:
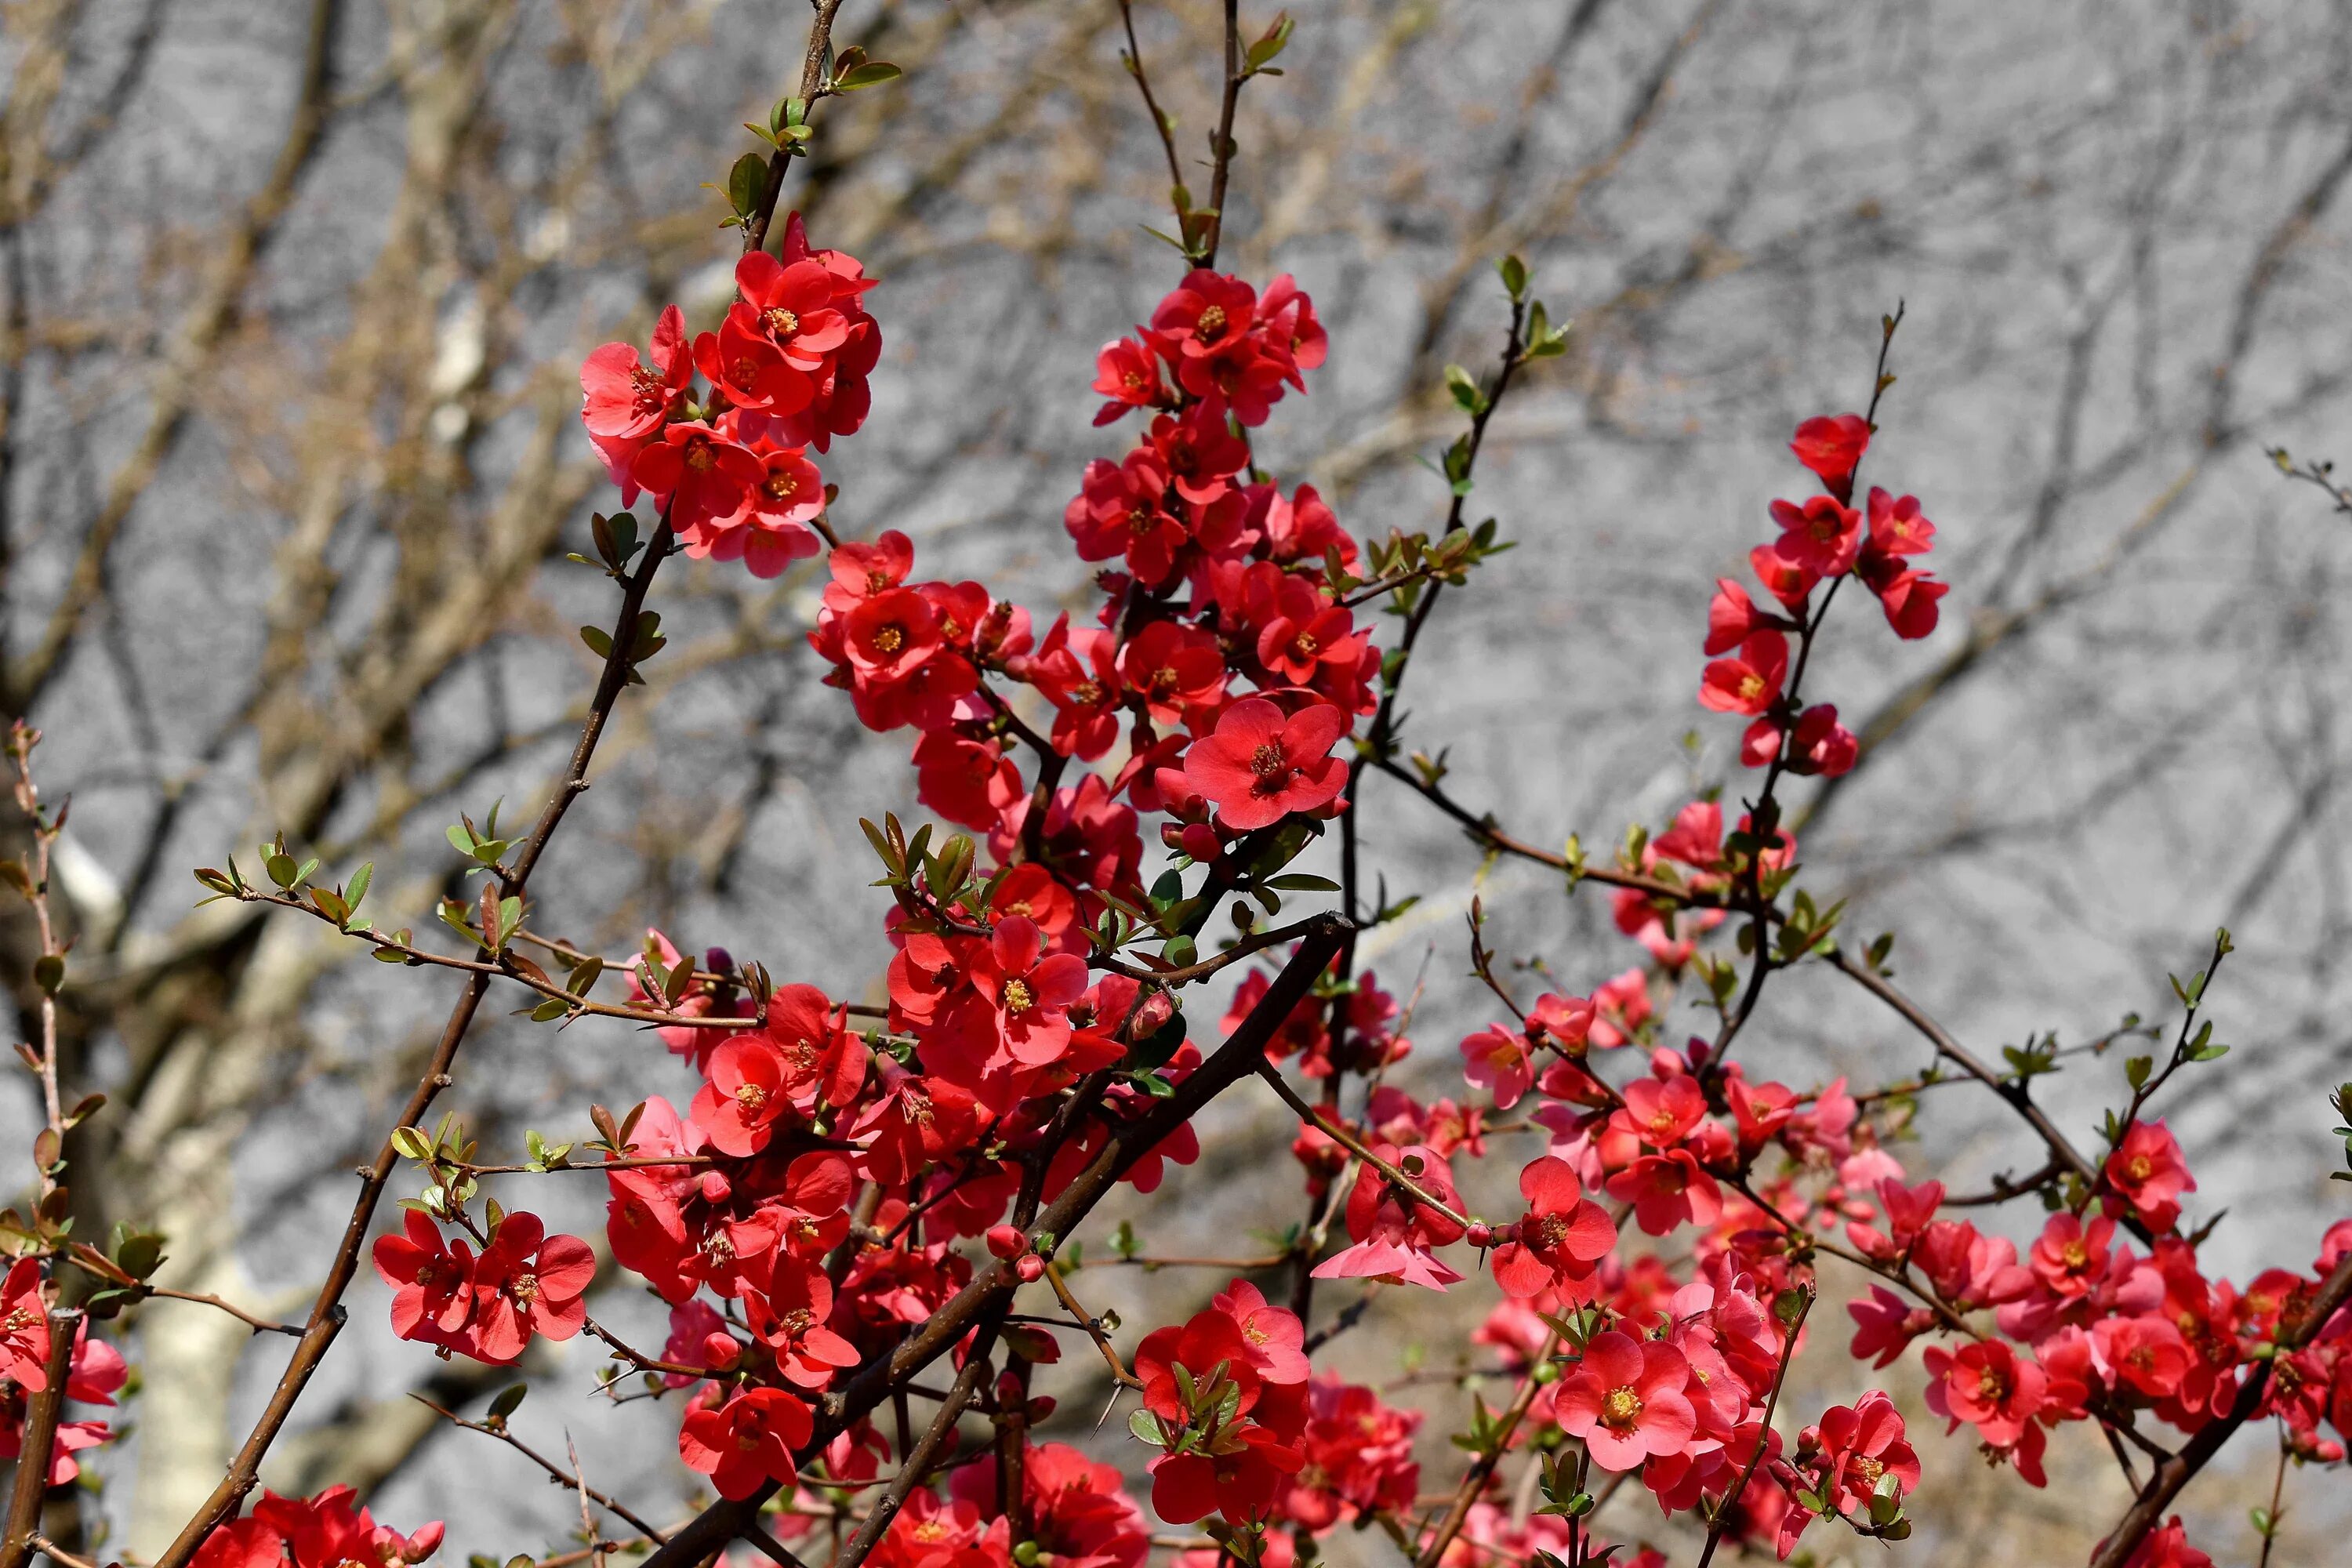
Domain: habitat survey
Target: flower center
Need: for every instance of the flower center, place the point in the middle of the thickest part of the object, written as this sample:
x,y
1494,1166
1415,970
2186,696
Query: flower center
x,y
1270,761
890,638
1304,644
2139,1167
2075,1255
1551,1230
1211,321
779,486
698,456
1017,996
1868,1471
524,1288
1140,520
751,1096
782,323
1752,687
1993,1385
1086,692
647,388
1621,1406
1163,679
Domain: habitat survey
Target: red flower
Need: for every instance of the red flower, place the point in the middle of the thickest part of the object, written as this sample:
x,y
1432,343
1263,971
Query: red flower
x,y
1259,767
916,1124
1199,452
24,1327
1832,446
1031,991
746,1441
1886,1325
1309,633
737,1108
1127,374
1625,1399
1824,746
1667,1190
1750,683
1394,1231
2147,1353
786,1306
1208,314
1731,617
1660,1114
1820,536
2147,1174
967,782
1174,668
527,1282
1860,1446
433,1288
2167,1547
1121,509
1986,1384
1897,527
696,473
1561,1239
624,399
1909,598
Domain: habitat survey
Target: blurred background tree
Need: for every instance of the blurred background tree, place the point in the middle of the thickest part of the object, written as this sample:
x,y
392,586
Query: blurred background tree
x,y
294,299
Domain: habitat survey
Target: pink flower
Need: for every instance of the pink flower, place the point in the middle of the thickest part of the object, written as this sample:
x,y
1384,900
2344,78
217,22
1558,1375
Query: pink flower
x,y
1259,767
1989,1386
1625,1400
1667,1190
1498,1061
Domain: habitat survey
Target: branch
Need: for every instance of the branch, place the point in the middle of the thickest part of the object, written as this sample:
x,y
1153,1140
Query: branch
x,y
820,44
328,1314
2178,1471
39,1438
555,1472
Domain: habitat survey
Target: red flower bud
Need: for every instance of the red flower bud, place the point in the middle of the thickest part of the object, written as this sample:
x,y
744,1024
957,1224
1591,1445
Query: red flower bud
x,y
1007,1241
1031,1268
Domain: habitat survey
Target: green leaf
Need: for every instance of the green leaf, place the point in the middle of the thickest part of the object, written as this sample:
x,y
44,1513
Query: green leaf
x,y
872,73
1145,1426
410,1144
747,181
1515,275
1303,882
599,641
281,869
358,887
2137,1070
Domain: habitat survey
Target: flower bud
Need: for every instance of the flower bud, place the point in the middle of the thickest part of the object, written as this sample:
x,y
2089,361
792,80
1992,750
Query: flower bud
x,y
1007,1241
1480,1234
1031,1268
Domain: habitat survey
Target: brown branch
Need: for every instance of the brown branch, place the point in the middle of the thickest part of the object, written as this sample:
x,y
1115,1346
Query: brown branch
x,y
820,44
328,1313
1323,1122
2178,1471
39,1438
1763,1437
554,1472
917,1466
1220,146
1093,1329
50,1549
1133,59
1457,1514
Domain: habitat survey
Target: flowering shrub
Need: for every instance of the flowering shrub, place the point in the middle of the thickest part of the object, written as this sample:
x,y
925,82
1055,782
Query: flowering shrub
x,y
839,1200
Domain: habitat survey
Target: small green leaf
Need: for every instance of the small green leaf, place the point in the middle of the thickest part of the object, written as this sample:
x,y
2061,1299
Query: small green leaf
x,y
872,73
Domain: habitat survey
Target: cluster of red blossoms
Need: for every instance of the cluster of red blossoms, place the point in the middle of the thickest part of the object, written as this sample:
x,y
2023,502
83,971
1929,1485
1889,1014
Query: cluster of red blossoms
x,y
95,1374
785,371
822,1193
325,1531
1823,540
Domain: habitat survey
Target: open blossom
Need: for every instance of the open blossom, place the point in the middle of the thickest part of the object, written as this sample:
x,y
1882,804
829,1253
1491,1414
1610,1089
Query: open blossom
x,y
1500,1062
745,1441
24,1327
527,1282
1625,1399
624,398
1260,766
2166,1546
1750,683
2146,1175
1395,1231
1832,446
433,1286
1561,1240
1860,1446
1820,536
1988,1385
